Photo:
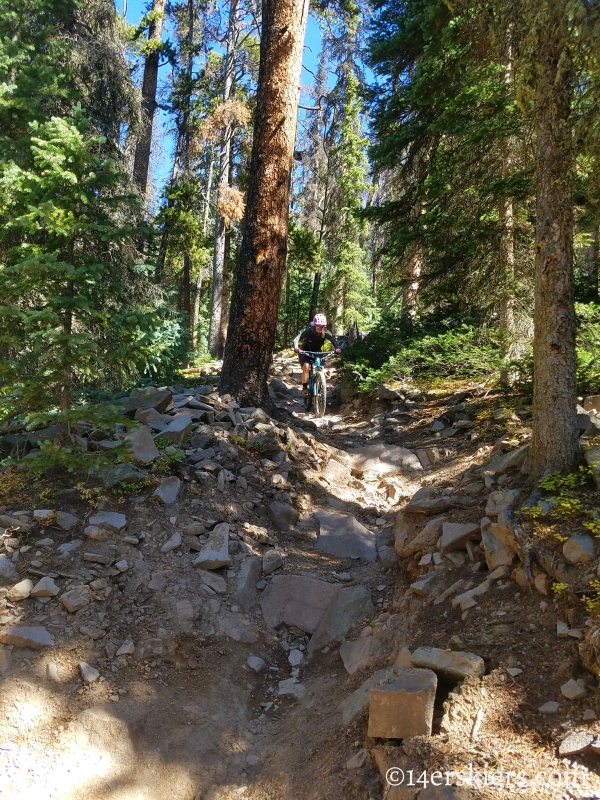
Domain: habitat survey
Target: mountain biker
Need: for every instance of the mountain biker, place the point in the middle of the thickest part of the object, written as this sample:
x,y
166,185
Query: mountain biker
x,y
312,339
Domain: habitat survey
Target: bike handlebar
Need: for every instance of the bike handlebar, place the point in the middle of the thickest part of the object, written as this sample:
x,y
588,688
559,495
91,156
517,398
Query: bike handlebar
x,y
325,354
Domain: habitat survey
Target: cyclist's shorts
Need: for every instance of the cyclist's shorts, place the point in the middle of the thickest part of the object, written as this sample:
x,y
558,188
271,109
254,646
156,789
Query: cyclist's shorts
x,y
304,359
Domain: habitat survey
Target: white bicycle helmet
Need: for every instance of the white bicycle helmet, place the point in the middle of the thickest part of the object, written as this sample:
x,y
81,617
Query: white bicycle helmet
x,y
320,319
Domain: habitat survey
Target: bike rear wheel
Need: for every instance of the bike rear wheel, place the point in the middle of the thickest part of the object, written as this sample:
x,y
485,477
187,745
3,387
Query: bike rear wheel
x,y
320,394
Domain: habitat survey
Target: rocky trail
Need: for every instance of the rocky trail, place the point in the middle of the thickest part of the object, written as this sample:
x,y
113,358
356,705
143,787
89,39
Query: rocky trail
x,y
303,605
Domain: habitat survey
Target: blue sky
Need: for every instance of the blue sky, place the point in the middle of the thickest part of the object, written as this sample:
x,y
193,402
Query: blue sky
x,y
162,166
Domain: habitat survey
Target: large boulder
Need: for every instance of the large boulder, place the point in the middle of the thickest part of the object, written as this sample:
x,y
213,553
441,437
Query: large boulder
x,y
377,460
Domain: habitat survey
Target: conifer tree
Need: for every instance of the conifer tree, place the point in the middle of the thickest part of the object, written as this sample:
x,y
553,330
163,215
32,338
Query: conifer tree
x,y
77,308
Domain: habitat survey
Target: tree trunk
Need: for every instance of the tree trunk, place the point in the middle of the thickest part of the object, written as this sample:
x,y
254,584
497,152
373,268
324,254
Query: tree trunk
x,y
141,161
314,298
225,297
592,263
216,341
286,324
555,440
261,264
410,290
195,318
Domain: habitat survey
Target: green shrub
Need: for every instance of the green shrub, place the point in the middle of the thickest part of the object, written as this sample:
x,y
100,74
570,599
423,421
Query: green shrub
x,y
446,349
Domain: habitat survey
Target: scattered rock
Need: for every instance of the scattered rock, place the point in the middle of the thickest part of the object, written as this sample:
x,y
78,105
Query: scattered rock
x,y
359,654
343,536
168,490
502,501
142,445
455,535
185,615
550,707
34,638
89,674
8,572
126,649
52,672
295,657
345,609
73,600
172,544
247,580
497,554
575,742
283,515
573,690
20,591
215,553
292,688
256,664
271,561
424,540
109,521
217,583
401,703
178,430
579,549
147,398
448,663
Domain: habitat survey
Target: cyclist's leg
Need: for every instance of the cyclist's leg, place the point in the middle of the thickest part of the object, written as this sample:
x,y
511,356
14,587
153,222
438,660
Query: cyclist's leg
x,y
305,363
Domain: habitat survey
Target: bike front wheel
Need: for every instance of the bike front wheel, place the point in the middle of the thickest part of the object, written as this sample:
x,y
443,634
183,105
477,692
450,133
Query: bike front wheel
x,y
320,394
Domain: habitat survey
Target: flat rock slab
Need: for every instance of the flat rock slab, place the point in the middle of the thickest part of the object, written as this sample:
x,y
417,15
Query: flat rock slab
x,y
297,600
230,626
448,663
455,535
356,703
579,549
503,500
34,638
245,582
357,655
575,742
343,612
142,445
109,520
168,490
343,536
45,587
384,459
59,519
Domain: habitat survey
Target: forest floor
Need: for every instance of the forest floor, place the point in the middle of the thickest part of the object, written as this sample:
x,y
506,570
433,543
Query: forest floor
x,y
182,714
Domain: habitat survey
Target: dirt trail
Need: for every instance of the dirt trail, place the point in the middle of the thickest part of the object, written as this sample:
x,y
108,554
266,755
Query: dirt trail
x,y
182,714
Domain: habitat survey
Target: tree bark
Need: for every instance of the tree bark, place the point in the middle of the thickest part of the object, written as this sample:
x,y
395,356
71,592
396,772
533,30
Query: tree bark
x,y
261,265
195,318
592,262
141,163
216,341
410,290
314,298
555,440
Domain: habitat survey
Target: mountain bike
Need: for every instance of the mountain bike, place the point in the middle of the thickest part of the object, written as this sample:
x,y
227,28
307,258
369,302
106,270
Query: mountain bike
x,y
317,382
